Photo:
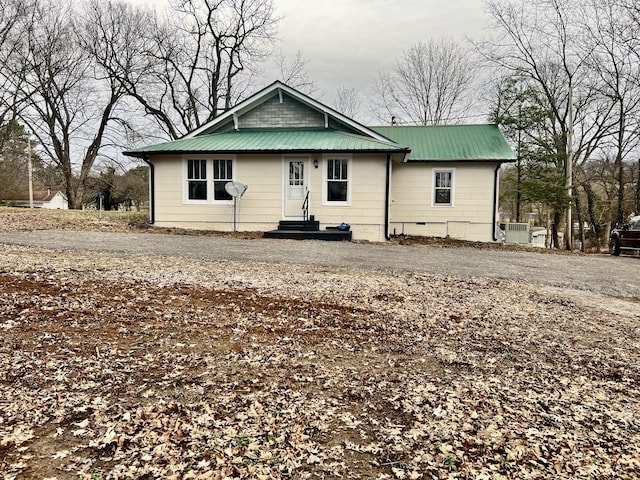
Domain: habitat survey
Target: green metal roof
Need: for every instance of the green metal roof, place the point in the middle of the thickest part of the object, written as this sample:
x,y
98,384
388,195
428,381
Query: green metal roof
x,y
272,140
451,142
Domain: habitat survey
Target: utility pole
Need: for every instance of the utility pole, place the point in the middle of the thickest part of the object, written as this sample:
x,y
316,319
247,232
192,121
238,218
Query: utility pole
x,y
569,174
519,165
30,173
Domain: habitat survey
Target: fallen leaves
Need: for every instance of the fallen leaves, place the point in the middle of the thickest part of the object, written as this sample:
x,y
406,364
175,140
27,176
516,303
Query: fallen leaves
x,y
146,367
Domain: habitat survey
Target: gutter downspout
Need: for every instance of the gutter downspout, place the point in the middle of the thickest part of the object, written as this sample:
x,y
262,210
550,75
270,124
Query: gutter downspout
x,y
152,190
387,199
495,201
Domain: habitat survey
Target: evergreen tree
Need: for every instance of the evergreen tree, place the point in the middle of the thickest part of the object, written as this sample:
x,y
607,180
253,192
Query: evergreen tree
x,y
14,159
538,176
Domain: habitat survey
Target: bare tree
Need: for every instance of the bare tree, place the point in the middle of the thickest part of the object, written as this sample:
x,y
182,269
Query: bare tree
x,y
429,85
115,36
348,101
612,43
68,101
198,60
295,73
11,13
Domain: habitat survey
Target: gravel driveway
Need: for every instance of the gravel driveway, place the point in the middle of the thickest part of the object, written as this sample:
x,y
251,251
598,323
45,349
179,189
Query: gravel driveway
x,y
598,274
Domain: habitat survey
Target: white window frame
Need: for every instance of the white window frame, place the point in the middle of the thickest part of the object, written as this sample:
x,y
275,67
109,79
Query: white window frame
x,y
213,180
452,188
325,180
210,180
185,181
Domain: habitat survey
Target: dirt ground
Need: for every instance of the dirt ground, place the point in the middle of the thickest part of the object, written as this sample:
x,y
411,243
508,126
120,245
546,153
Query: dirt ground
x,y
134,365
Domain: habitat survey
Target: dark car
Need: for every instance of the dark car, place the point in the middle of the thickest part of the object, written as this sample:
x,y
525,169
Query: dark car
x,y
625,237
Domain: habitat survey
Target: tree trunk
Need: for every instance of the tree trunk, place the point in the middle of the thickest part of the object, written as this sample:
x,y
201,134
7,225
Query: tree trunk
x,y
576,199
620,170
638,191
555,227
591,208
67,174
547,237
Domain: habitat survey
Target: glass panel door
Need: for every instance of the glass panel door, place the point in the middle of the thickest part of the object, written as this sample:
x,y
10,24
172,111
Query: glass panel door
x,y
295,186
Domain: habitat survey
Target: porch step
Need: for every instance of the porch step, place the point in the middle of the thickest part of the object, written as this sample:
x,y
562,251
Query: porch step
x,y
328,235
299,225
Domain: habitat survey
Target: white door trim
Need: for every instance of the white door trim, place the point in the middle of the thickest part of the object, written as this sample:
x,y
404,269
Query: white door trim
x,y
292,207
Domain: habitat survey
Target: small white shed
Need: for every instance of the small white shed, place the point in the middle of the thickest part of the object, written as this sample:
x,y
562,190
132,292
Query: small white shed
x,y
51,199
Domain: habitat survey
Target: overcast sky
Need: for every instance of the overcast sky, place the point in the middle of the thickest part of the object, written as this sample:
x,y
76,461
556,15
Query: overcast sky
x,y
348,42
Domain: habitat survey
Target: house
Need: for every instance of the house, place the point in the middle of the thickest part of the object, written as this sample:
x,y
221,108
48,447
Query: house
x,y
49,198
302,161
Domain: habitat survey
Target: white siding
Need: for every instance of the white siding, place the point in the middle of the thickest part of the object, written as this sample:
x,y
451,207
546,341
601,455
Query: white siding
x,y
411,209
261,207
470,217
366,208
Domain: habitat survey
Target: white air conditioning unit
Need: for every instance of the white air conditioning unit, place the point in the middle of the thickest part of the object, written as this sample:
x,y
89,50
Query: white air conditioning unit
x,y
517,233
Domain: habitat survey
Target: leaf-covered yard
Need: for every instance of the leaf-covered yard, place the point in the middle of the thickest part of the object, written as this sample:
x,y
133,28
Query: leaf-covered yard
x,y
140,366
146,367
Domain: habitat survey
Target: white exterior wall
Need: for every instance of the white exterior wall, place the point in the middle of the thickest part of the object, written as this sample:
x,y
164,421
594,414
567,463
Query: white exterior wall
x,y
58,202
259,208
365,208
470,217
262,206
411,211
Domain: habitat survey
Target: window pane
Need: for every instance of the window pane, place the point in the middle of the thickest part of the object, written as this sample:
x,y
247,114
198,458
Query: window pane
x,y
197,190
296,173
443,196
443,179
443,186
196,169
219,193
337,169
222,174
337,191
222,169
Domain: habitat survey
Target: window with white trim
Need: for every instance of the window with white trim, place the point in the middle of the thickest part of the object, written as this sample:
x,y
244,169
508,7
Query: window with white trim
x,y
337,180
197,180
443,188
222,174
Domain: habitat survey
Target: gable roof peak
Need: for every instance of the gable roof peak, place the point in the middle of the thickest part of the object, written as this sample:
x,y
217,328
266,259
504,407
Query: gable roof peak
x,y
280,88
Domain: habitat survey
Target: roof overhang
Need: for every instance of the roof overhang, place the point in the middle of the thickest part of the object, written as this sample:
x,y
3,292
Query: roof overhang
x,y
273,141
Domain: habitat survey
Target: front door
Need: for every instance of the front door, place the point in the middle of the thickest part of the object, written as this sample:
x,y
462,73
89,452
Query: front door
x,y
295,186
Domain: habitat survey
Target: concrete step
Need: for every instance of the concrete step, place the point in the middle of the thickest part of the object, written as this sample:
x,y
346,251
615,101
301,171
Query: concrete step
x,y
299,225
328,235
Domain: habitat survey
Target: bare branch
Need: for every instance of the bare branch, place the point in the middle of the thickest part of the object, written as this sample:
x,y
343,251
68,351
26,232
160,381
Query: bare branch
x,y
429,85
295,73
348,101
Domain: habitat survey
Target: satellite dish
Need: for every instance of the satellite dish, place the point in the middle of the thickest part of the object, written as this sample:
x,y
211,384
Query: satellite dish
x,y
235,189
